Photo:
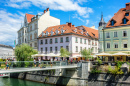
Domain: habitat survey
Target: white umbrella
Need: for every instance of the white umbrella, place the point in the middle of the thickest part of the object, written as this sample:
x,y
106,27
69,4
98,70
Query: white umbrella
x,y
52,55
103,54
120,54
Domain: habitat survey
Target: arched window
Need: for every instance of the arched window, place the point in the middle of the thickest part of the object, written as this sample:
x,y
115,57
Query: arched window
x,y
35,35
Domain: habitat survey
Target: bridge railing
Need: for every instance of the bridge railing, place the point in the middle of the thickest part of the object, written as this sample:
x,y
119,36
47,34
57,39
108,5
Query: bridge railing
x,y
31,64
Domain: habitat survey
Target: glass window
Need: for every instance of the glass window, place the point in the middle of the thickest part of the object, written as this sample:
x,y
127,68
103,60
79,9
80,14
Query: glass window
x,y
76,48
107,35
124,21
30,28
31,37
124,33
41,41
112,23
41,50
61,40
108,45
35,45
115,34
76,40
45,49
126,14
80,48
61,47
80,40
125,45
56,41
50,41
116,45
56,49
89,42
67,47
84,41
67,39
45,41
50,49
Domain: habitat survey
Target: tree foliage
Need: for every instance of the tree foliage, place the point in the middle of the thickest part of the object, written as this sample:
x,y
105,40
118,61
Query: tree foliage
x,y
86,53
64,52
23,52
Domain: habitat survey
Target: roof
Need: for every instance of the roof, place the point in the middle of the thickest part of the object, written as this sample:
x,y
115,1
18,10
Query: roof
x,y
29,16
118,18
68,30
6,46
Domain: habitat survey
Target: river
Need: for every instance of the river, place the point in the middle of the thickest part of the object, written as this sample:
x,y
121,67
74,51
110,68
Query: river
x,y
19,82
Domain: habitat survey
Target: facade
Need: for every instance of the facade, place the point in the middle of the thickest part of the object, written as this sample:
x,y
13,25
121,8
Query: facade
x,y
6,51
74,39
115,37
33,27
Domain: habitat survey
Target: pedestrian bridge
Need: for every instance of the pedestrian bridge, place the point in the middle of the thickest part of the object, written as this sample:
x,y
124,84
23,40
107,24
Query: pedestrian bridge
x,y
28,66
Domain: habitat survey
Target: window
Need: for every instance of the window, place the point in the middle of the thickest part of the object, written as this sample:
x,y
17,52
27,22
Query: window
x,y
35,45
61,47
41,41
35,35
124,33
35,26
124,21
25,40
126,14
45,41
31,37
41,50
84,41
89,42
112,23
56,49
50,41
80,48
31,45
67,39
107,35
30,28
50,49
76,48
61,40
45,49
125,45
80,40
116,45
76,40
115,34
56,41
108,45
67,47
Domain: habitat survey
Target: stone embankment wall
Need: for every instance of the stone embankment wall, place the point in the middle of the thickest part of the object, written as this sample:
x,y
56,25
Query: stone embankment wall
x,y
76,77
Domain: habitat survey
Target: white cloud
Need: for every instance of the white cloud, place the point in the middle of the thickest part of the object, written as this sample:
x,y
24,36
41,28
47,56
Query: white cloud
x,y
64,5
87,22
9,25
107,18
76,16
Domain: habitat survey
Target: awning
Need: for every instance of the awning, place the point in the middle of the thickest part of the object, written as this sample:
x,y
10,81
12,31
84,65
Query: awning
x,y
103,54
52,55
120,54
76,56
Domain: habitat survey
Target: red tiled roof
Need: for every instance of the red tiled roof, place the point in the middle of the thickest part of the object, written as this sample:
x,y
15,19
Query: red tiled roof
x,y
118,18
67,29
29,16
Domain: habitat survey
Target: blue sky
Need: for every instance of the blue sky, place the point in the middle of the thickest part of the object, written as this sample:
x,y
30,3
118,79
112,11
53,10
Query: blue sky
x,y
81,12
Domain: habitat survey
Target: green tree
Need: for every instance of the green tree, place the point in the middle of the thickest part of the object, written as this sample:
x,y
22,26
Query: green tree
x,y
64,52
86,53
23,52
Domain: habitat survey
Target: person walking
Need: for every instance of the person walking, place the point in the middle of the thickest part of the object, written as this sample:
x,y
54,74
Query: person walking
x,y
7,64
34,62
39,61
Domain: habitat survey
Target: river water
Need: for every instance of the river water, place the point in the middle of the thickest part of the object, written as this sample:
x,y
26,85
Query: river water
x,y
19,82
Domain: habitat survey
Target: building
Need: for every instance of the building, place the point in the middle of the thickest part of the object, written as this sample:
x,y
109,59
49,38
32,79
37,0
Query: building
x,y
74,39
33,27
6,51
115,37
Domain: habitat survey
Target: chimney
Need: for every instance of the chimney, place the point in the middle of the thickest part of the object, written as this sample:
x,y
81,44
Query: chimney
x,y
127,6
44,11
47,9
70,24
73,26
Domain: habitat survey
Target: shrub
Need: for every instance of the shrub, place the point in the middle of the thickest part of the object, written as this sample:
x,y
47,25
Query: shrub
x,y
96,71
109,69
99,61
117,71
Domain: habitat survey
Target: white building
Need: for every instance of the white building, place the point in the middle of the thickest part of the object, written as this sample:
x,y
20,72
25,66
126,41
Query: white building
x,y
33,27
6,51
74,39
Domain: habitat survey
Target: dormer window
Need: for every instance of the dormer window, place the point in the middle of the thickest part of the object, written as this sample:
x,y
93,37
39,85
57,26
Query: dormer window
x,y
112,22
81,32
46,33
52,33
62,31
43,33
124,20
75,30
126,14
